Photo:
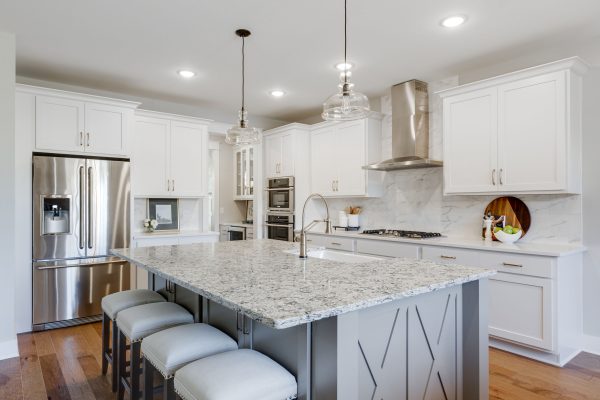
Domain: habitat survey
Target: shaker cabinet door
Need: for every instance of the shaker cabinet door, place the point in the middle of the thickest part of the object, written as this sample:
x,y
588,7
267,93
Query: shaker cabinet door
x,y
105,128
532,134
272,156
287,155
150,157
323,164
350,140
521,310
188,161
59,124
470,142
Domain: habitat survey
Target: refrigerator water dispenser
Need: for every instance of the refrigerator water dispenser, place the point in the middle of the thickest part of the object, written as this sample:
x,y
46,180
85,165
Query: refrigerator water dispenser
x,y
56,215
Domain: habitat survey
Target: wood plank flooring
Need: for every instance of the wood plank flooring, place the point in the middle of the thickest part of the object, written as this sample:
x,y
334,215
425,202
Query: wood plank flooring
x,y
65,364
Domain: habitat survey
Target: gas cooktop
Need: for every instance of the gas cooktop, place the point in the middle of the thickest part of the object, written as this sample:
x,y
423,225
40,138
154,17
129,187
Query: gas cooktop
x,y
401,234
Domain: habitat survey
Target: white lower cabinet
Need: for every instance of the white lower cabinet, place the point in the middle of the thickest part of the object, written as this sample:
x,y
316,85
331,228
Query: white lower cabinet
x,y
521,310
534,301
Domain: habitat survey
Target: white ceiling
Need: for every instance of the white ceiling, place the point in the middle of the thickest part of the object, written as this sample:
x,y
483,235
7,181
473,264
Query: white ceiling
x,y
136,46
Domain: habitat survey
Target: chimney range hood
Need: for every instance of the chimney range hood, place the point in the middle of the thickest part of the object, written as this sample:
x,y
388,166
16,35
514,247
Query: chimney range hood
x,y
410,129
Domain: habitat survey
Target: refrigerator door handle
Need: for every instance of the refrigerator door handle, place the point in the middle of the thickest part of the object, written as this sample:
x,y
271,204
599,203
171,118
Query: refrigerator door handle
x,y
90,210
81,207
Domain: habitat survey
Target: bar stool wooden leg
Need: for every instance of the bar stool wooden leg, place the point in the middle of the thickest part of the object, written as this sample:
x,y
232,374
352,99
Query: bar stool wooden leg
x,y
148,380
115,356
122,369
169,389
135,370
105,337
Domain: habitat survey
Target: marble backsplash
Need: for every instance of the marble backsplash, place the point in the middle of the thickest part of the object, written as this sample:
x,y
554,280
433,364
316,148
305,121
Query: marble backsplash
x,y
190,214
413,199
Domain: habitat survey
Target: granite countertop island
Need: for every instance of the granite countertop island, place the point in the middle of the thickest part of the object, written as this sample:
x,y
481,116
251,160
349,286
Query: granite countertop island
x,y
260,280
346,330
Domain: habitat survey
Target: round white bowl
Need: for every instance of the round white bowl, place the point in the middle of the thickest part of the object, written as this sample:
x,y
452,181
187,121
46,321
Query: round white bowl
x,y
506,238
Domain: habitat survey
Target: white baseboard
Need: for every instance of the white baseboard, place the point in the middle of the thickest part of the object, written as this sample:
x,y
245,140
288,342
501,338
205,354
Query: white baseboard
x,y
590,344
9,349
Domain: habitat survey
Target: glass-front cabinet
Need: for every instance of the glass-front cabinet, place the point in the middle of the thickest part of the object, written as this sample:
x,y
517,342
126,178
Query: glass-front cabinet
x,y
244,173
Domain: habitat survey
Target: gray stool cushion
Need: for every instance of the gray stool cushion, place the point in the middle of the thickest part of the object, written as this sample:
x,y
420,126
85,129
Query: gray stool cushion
x,y
173,348
235,375
116,302
138,322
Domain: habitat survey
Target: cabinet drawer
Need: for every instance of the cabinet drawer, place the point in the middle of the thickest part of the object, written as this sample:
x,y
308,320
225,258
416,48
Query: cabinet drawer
x,y
388,249
520,310
448,255
519,264
331,242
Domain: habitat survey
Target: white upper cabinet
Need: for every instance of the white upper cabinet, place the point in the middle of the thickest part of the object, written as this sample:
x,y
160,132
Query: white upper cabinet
x,y
244,173
59,124
281,146
151,156
170,155
517,133
470,137
338,151
76,123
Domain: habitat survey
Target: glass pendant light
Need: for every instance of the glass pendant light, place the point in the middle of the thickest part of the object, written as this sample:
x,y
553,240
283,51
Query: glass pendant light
x,y
242,133
346,105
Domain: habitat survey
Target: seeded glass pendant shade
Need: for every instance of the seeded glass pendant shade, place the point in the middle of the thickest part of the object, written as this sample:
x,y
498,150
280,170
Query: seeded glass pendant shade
x,y
242,133
347,104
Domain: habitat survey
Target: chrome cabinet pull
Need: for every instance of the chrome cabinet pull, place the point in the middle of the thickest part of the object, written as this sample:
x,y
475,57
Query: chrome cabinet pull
x,y
336,243
501,172
494,177
337,185
168,185
173,185
333,186
81,138
506,264
87,135
448,257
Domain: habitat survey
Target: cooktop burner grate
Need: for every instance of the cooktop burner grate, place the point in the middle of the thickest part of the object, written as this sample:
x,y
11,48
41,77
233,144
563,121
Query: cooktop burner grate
x,y
401,233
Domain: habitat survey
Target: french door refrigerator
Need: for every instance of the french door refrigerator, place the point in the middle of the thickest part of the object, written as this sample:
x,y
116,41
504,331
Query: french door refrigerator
x,y
81,209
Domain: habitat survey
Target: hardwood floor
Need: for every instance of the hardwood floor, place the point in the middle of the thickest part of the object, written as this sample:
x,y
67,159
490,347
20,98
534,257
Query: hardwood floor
x,y
65,364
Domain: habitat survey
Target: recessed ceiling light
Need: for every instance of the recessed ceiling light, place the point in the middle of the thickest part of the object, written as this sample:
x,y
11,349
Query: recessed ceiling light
x,y
277,93
453,21
186,73
344,66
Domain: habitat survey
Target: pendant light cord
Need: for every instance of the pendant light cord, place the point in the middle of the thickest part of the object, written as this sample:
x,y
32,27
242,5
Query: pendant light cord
x,y
243,72
345,41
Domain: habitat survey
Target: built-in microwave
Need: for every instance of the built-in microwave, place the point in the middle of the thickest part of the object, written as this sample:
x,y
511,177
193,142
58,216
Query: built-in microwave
x,y
280,194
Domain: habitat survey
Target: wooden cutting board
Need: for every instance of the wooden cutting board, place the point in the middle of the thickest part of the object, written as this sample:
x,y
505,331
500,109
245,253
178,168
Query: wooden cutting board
x,y
516,212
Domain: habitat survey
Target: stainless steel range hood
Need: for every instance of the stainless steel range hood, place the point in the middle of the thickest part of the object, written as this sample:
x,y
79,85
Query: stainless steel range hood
x,y
410,129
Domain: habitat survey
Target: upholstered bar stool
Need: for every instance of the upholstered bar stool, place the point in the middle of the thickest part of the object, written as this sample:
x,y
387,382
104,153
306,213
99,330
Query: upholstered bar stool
x,y
135,324
169,350
236,375
111,306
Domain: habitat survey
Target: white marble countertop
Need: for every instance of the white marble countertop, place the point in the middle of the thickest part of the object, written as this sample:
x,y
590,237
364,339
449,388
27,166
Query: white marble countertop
x,y
245,225
145,235
280,290
540,249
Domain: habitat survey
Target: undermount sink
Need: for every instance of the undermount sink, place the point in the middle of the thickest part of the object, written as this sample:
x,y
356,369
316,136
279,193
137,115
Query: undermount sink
x,y
334,255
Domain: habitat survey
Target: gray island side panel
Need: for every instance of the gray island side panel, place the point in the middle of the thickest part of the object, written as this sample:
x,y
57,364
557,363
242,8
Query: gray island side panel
x,y
279,290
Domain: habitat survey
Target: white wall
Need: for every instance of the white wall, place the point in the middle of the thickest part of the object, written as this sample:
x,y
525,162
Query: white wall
x,y
591,203
8,338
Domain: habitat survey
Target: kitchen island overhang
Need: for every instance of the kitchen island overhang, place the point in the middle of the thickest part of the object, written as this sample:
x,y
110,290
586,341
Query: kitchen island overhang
x,y
392,326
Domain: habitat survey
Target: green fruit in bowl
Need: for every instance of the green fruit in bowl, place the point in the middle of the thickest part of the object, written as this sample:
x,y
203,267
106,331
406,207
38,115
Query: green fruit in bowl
x,y
515,230
508,230
497,228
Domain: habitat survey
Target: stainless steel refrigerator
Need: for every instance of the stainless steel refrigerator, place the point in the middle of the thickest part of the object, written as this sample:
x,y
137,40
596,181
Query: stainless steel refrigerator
x,y
81,209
